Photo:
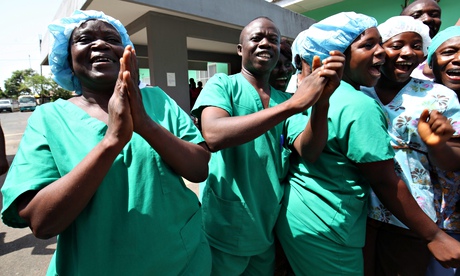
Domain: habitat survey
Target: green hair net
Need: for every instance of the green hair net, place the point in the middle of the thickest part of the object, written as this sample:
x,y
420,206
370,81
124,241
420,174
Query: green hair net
x,y
440,38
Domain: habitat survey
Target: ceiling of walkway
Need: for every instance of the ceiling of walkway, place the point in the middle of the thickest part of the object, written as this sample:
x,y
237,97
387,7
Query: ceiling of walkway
x,y
126,12
131,11
301,6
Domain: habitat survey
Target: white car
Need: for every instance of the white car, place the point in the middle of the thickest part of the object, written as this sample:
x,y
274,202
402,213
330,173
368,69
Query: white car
x,y
8,105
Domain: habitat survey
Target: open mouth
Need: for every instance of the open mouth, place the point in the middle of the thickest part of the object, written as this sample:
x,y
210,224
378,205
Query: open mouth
x,y
375,69
282,79
100,59
404,66
453,73
264,55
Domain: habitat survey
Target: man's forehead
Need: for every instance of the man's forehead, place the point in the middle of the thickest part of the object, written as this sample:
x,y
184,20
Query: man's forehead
x,y
259,25
422,5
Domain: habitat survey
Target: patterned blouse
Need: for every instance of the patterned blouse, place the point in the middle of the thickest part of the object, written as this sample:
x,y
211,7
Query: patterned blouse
x,y
411,154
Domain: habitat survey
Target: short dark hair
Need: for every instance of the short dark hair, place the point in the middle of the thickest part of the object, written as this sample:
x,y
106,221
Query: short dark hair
x,y
285,48
257,18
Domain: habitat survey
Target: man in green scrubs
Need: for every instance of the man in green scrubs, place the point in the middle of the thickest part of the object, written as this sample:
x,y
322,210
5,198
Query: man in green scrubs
x,y
244,122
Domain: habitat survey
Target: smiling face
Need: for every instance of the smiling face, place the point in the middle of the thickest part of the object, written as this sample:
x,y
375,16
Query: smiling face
x,y
427,11
281,74
95,50
259,46
404,52
446,64
364,58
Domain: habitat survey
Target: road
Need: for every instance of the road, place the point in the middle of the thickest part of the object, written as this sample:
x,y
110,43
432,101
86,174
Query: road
x,y
21,253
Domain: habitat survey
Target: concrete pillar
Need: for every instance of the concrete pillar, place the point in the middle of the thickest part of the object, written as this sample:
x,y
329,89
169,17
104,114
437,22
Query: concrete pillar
x,y
167,55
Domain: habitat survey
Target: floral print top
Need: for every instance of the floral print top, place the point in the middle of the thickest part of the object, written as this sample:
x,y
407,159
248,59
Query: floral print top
x,y
418,72
411,155
447,200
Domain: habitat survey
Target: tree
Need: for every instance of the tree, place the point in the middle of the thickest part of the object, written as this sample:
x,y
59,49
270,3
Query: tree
x,y
59,92
15,85
28,82
3,94
40,85
46,87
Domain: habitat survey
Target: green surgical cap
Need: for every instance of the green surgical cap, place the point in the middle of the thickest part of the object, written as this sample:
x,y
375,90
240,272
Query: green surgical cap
x,y
440,38
336,32
61,30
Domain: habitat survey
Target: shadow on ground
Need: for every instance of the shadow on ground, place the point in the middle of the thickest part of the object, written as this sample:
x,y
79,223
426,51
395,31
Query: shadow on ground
x,y
39,247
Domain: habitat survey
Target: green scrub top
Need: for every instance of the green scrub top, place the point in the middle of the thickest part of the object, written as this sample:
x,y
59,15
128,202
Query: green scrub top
x,y
242,196
333,193
142,220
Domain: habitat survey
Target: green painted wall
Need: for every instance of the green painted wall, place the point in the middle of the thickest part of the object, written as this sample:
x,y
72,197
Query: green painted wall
x,y
192,74
382,10
222,68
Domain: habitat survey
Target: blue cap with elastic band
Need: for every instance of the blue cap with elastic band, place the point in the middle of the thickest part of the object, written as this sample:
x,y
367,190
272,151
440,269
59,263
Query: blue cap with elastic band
x,y
335,32
61,30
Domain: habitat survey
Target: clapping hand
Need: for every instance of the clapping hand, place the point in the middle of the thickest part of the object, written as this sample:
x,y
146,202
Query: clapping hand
x,y
321,83
332,69
130,69
434,128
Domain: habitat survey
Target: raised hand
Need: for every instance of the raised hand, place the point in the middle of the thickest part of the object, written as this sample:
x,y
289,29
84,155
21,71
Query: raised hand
x,y
321,83
130,64
131,79
309,88
434,128
316,63
332,70
120,123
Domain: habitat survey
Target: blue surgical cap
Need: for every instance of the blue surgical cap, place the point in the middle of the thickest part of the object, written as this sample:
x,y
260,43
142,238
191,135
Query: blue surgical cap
x,y
400,24
335,32
61,30
440,38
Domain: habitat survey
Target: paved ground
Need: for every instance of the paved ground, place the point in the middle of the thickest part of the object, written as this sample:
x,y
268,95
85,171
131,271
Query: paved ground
x,y
20,252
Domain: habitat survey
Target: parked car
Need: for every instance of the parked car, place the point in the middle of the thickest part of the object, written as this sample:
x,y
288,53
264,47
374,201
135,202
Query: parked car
x,y
27,102
8,105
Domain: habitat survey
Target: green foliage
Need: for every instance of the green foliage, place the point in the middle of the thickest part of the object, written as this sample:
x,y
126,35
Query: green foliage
x,y
3,94
40,85
15,85
28,82
59,92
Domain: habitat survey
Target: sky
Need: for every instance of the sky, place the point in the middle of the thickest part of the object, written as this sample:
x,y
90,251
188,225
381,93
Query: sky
x,y
22,23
